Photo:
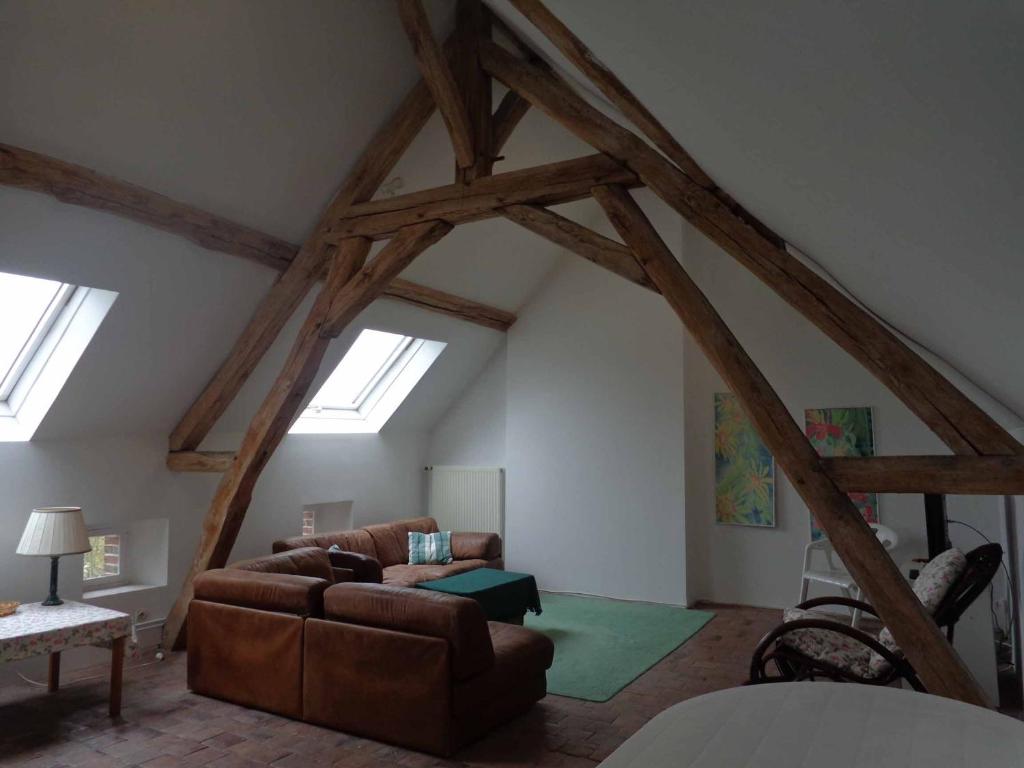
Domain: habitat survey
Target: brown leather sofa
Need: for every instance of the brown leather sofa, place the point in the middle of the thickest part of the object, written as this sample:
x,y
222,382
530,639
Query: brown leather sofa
x,y
419,669
380,553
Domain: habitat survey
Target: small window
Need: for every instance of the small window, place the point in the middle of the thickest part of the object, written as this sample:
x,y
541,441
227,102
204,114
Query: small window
x,y
377,373
102,563
308,522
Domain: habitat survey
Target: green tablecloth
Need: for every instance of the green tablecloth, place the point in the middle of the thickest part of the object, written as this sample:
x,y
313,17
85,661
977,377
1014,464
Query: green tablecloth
x,y
502,594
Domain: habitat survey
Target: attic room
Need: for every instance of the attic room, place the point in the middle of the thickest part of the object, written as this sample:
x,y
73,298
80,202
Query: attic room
x,y
508,382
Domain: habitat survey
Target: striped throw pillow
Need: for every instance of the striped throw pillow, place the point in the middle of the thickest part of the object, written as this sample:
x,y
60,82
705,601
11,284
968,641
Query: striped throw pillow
x,y
430,548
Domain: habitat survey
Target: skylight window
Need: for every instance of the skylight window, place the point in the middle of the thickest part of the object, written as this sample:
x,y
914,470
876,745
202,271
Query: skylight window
x,y
45,326
28,308
377,373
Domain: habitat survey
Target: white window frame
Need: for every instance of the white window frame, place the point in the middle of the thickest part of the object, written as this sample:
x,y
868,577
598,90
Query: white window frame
x,y
107,582
380,398
46,362
39,337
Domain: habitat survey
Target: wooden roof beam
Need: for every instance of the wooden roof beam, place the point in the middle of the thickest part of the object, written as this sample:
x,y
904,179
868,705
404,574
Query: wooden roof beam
x,y
981,475
482,198
584,242
935,661
438,76
200,461
630,106
473,24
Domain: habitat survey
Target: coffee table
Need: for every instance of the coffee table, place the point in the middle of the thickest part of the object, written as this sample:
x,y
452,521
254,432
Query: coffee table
x,y
504,595
35,629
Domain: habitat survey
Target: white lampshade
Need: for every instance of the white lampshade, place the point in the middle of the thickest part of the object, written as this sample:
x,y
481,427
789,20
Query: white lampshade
x,y
55,531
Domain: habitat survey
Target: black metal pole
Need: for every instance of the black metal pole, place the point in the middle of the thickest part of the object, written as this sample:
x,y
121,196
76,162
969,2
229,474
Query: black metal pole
x,y
53,599
935,524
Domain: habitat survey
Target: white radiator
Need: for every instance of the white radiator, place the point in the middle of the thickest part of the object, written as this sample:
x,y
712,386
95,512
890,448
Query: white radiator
x,y
467,498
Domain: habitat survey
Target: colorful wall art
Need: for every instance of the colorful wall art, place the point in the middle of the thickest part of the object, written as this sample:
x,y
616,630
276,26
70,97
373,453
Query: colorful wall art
x,y
843,432
744,468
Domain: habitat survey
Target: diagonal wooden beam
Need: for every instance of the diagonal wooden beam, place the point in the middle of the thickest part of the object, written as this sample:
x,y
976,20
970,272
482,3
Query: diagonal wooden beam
x,y
610,85
369,282
439,79
630,106
378,159
473,24
348,290
961,424
449,304
511,110
982,475
935,661
77,185
574,237
200,461
482,198
265,432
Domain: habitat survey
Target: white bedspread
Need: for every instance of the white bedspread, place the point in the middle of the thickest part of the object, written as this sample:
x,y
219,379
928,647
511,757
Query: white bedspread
x,y
831,725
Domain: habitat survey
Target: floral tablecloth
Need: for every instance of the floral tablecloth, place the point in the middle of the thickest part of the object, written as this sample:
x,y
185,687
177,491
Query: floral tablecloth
x,y
36,628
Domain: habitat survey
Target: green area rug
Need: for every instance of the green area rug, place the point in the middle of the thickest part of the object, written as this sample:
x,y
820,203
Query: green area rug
x,y
602,645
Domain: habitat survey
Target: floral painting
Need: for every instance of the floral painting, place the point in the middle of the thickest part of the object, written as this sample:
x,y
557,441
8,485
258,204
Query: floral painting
x,y
744,469
843,432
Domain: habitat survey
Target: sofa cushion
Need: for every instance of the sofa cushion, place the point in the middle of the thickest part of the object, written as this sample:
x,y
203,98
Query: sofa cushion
x,y
475,546
430,548
279,592
391,540
419,525
519,654
458,620
405,575
308,561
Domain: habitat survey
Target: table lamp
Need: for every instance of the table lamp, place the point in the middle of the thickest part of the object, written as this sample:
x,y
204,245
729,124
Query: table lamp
x,y
52,532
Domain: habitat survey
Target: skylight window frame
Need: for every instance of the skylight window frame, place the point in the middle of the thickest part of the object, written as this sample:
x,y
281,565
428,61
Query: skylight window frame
x,y
379,398
376,387
39,338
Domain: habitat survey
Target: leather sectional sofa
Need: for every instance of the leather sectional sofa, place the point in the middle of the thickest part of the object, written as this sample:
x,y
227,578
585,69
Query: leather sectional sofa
x,y
410,667
381,552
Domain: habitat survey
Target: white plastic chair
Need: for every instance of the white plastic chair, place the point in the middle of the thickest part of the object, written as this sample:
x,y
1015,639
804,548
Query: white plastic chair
x,y
836,576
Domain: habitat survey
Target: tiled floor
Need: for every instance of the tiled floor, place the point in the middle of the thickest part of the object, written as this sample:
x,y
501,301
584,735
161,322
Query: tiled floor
x,y
163,725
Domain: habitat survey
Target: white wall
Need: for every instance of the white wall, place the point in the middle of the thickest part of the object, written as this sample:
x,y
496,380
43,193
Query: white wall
x,y
594,436
472,432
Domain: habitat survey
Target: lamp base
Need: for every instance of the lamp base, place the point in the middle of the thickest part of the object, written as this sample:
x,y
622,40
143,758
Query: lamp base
x,y
53,599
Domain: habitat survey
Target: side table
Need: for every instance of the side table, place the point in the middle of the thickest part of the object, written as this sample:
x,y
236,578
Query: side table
x,y
35,629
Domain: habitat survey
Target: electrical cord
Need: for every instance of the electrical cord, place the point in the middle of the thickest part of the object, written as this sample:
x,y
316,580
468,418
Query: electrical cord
x,y
101,676
1012,602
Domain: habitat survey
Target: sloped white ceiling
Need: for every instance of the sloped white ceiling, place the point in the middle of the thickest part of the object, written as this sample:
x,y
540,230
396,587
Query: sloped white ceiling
x,y
254,111
884,139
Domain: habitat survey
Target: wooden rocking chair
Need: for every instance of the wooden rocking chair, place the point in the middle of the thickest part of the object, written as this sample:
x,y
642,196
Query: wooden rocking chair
x,y
811,645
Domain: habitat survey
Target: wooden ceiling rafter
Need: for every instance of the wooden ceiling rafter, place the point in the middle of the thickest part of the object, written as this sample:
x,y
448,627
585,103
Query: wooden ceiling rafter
x,y
437,74
482,198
